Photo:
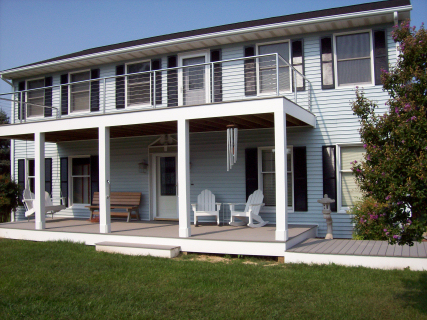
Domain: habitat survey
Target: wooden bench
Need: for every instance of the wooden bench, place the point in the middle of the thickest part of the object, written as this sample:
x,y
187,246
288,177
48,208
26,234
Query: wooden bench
x,y
124,202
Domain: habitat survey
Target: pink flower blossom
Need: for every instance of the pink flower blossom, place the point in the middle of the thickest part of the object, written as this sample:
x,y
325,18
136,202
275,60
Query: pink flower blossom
x,y
388,197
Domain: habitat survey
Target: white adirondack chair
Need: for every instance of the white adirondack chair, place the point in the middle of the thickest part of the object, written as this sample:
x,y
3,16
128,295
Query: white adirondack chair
x,y
205,206
250,213
29,201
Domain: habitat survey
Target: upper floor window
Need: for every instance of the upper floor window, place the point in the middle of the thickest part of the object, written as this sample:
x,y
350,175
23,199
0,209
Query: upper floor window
x,y
354,59
35,98
138,86
267,68
80,92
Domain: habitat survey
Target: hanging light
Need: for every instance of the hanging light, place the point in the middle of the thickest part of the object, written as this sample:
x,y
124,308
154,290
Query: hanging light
x,y
231,145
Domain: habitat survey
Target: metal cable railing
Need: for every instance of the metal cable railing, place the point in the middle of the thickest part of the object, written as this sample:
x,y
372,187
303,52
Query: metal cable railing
x,y
195,84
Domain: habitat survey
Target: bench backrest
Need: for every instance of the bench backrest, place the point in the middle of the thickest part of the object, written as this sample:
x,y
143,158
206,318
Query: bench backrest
x,y
131,199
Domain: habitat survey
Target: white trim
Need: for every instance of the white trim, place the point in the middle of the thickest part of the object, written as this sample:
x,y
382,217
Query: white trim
x,y
272,209
153,179
70,181
371,50
32,90
70,93
257,66
288,24
341,209
193,54
136,106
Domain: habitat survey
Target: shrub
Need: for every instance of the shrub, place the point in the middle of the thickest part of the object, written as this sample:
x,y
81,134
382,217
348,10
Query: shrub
x,y
9,197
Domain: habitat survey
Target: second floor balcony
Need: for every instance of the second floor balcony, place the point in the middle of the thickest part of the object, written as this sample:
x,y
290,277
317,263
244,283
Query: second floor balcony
x,y
145,85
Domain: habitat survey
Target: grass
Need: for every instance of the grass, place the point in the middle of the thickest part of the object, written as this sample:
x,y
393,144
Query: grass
x,y
64,280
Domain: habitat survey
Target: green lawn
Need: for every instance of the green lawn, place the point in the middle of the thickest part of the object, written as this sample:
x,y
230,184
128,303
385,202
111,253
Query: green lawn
x,y
62,280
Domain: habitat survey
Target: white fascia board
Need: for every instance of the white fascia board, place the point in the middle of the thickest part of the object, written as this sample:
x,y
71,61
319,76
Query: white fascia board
x,y
299,112
214,35
158,116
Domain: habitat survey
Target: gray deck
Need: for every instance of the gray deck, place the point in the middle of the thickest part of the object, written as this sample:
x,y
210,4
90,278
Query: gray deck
x,y
163,229
360,248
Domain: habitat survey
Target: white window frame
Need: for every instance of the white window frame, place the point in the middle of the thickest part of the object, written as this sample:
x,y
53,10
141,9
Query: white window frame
x,y
70,93
27,94
340,208
335,35
260,174
126,85
27,172
70,182
257,67
188,55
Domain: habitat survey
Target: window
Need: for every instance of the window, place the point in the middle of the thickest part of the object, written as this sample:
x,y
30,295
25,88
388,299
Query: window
x,y
80,93
349,191
80,179
35,97
353,59
138,86
31,175
267,175
26,174
267,68
298,63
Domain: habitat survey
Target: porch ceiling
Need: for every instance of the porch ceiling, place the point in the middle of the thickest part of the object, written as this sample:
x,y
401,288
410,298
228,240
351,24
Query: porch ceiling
x,y
254,121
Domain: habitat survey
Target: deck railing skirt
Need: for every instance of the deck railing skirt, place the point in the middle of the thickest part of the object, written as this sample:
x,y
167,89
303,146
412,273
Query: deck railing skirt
x,y
104,180
39,138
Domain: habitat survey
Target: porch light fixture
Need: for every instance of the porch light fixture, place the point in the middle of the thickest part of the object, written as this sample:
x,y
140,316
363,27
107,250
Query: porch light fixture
x,y
231,145
143,166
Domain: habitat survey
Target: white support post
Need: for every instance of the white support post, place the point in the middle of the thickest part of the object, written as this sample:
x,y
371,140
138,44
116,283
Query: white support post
x,y
104,180
39,139
280,146
184,178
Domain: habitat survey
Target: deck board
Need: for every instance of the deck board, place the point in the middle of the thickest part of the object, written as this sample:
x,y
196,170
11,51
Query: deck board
x,y
376,247
383,248
390,251
342,245
346,247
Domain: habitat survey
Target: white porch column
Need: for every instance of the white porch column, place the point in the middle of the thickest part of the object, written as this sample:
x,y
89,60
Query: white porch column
x,y
184,178
39,139
280,143
104,180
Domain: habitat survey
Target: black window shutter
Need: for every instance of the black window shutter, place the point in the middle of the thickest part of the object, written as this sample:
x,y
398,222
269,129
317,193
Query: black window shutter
x,y
157,65
94,175
251,170
120,87
330,174
21,97
172,85
48,96
250,72
298,63
327,63
48,175
300,179
21,176
94,90
380,54
64,94
64,179
217,75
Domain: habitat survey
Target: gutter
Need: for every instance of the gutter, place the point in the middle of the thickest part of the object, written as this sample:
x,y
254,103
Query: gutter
x,y
213,35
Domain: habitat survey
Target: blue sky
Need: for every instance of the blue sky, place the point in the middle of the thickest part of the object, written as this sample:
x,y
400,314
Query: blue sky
x,y
34,30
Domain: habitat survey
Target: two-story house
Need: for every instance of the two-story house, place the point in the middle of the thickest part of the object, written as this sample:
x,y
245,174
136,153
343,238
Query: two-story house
x,y
151,116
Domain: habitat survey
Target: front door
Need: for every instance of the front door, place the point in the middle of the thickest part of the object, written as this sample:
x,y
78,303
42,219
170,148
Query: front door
x,y
166,187
194,79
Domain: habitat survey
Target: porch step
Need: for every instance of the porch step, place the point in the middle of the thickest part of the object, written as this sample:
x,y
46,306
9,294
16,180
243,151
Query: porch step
x,y
138,249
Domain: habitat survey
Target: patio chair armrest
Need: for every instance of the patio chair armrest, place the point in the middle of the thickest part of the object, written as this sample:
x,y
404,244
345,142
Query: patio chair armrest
x,y
257,204
218,206
194,206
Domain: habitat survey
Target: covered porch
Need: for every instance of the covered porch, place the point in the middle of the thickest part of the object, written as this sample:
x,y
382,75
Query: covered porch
x,y
277,113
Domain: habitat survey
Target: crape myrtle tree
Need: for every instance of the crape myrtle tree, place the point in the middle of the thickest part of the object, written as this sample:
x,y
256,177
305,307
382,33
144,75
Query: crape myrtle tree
x,y
394,170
